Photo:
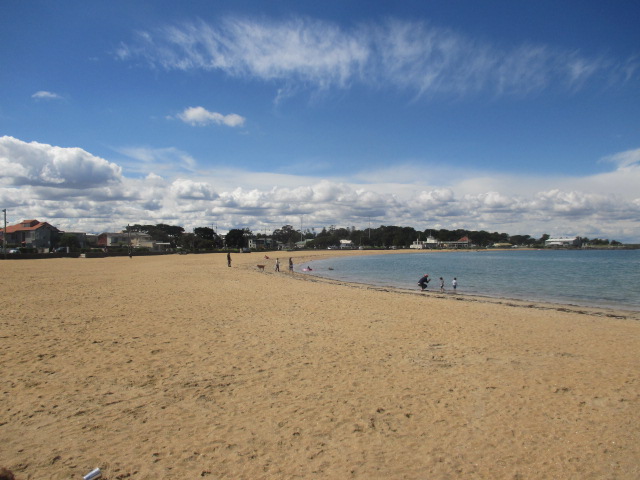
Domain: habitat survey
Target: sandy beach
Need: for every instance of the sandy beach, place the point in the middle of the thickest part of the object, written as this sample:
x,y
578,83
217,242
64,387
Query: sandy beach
x,y
180,367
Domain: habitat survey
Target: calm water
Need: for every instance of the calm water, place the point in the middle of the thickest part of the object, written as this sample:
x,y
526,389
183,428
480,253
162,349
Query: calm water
x,y
581,277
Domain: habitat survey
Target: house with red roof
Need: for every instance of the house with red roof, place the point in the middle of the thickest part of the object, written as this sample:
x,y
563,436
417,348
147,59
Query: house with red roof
x,y
32,234
461,243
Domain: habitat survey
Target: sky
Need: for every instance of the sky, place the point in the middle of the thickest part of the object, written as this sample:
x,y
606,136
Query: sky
x,y
517,117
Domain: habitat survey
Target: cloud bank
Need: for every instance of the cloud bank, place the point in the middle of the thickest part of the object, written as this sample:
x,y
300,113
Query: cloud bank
x,y
75,190
408,55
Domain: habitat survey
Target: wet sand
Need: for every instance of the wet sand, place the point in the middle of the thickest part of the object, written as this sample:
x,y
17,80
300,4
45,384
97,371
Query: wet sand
x,y
180,367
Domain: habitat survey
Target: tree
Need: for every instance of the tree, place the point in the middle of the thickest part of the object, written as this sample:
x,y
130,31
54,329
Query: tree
x,y
445,235
187,241
543,239
69,240
236,238
521,239
323,240
173,232
206,238
481,238
204,232
287,234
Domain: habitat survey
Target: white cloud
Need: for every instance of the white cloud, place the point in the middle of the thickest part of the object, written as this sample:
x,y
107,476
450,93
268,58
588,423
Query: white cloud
x,y
73,189
436,197
411,55
191,190
625,159
44,95
167,160
45,165
200,116
311,51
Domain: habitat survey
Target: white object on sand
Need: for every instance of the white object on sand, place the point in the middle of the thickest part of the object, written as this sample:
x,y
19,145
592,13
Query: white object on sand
x,y
93,474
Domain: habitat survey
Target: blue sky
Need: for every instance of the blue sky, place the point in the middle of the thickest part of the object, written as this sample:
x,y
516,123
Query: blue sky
x,y
519,117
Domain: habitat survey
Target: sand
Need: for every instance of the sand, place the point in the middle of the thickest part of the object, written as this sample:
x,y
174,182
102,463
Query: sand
x,y
180,367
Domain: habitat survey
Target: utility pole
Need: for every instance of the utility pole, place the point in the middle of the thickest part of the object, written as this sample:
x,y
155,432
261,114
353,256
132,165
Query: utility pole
x,y
4,234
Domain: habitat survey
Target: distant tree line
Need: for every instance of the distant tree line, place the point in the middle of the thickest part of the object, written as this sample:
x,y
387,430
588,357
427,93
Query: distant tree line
x,y
384,236
599,242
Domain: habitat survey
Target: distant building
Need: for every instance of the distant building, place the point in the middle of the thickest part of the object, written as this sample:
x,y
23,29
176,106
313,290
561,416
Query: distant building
x,y
32,234
299,245
431,242
124,239
563,242
264,243
113,239
346,244
462,243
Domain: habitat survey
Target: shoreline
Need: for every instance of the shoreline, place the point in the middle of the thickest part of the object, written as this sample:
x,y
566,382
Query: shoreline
x,y
511,302
610,312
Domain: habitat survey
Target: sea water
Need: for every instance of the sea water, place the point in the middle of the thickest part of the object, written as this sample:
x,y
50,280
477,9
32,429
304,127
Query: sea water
x,y
596,278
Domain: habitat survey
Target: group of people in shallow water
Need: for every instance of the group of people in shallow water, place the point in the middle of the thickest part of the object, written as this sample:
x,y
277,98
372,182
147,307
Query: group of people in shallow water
x,y
424,283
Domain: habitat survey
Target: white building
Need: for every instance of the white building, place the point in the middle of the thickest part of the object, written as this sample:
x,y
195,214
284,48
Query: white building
x,y
431,242
346,244
135,239
563,242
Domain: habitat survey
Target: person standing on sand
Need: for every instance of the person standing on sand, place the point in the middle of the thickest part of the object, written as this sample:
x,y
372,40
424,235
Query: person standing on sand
x,y
441,284
290,265
228,259
277,265
454,284
424,282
